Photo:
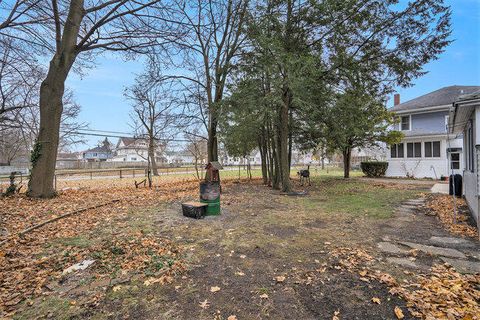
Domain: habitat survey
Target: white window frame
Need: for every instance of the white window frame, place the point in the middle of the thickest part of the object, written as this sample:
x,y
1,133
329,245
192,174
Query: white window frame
x,y
446,123
431,149
409,123
414,156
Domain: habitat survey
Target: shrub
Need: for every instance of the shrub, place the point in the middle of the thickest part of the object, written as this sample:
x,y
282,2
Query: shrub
x,y
374,168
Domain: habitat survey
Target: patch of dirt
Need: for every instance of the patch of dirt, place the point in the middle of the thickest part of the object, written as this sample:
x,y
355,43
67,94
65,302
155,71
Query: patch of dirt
x,y
281,231
330,293
317,224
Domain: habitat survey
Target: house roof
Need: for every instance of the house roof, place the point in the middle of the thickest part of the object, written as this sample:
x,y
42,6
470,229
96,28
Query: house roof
x,y
468,97
99,149
440,97
127,141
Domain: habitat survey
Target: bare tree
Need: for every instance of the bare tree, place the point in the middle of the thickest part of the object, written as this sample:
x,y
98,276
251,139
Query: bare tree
x,y
213,35
153,112
197,148
72,30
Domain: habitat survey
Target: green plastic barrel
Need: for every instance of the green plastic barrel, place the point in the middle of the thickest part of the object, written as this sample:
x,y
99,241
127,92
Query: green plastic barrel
x,y
210,194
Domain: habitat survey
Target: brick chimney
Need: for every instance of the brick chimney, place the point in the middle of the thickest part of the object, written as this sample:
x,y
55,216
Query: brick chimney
x,y
396,99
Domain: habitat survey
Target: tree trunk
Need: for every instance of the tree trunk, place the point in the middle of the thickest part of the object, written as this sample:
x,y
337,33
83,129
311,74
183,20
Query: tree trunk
x,y
44,155
212,145
283,141
151,155
346,162
290,139
263,157
276,162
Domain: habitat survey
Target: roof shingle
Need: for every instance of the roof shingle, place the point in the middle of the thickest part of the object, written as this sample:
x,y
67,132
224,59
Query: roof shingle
x,y
440,97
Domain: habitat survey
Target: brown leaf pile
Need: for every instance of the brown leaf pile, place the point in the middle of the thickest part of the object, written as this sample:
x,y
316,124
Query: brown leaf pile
x,y
443,294
442,207
30,262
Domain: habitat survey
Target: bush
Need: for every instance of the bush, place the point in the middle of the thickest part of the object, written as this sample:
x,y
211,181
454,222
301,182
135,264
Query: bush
x,y
374,168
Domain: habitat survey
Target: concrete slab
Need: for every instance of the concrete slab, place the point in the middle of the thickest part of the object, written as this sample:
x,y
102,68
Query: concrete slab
x,y
451,241
463,266
437,251
389,247
404,262
440,188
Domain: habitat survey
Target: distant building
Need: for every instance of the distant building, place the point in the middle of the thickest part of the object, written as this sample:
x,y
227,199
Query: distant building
x,y
136,150
179,157
97,154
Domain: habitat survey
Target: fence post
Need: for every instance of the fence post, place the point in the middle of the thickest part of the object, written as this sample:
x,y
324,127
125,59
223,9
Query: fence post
x,y
55,178
121,174
133,173
91,175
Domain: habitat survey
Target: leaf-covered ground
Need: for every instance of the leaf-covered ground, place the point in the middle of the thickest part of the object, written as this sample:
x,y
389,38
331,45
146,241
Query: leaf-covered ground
x,y
268,256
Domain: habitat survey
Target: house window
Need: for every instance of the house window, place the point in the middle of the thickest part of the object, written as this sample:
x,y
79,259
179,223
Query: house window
x,y
134,159
405,123
455,160
396,151
432,149
414,150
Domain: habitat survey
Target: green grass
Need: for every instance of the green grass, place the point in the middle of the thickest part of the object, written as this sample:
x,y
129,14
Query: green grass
x,y
358,198
58,309
80,242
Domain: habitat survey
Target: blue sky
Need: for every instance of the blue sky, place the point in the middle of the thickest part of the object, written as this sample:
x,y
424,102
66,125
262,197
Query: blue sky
x,y
100,92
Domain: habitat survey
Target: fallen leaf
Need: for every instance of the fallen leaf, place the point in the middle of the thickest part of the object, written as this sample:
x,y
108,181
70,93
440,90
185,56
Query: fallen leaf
x,y
336,315
214,289
239,273
116,288
363,273
280,278
242,256
376,300
264,296
204,304
232,317
399,312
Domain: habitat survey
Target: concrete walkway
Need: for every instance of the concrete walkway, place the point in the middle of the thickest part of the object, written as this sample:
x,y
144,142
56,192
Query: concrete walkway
x,y
440,188
417,241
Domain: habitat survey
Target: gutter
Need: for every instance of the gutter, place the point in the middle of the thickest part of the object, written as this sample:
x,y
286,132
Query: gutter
x,y
423,110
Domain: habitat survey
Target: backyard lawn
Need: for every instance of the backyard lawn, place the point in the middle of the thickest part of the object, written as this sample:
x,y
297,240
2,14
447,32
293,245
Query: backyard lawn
x,y
268,256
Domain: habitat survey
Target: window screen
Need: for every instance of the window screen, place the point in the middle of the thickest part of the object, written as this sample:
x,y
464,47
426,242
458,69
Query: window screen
x,y
428,149
405,125
455,160
436,149
418,149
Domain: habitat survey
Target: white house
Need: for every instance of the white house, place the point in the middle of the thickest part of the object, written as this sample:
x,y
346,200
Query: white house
x,y
136,150
465,120
427,150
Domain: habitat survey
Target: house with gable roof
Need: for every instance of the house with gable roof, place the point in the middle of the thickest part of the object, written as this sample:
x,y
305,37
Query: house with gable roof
x,y
427,149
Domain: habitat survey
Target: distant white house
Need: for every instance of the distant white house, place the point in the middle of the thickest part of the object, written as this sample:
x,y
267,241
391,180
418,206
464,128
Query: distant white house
x,y
136,150
465,120
427,150
179,158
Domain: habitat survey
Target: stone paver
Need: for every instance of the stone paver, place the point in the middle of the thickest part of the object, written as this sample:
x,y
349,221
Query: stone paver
x,y
439,188
404,262
463,266
437,251
453,241
389,247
